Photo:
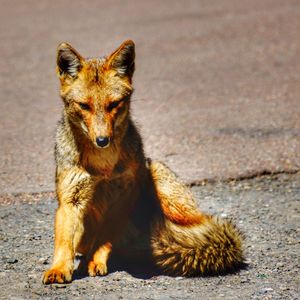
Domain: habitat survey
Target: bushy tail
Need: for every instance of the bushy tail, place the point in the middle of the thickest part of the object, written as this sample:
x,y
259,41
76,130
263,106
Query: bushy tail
x,y
213,247
184,240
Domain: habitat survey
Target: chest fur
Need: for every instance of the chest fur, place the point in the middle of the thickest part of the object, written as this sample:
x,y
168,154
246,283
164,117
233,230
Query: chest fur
x,y
100,162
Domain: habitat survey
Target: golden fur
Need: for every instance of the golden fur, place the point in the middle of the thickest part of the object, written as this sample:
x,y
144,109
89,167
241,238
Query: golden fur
x,y
111,198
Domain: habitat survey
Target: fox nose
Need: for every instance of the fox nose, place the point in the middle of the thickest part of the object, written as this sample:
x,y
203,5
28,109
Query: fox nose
x,y
102,141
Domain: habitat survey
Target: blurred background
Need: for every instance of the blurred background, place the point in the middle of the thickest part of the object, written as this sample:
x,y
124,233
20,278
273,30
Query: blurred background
x,y
217,83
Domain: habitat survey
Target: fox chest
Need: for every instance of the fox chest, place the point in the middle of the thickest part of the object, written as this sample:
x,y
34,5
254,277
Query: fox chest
x,y
100,164
112,202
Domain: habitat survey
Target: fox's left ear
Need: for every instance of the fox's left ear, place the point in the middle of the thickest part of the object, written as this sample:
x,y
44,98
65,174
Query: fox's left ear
x,y
122,60
69,61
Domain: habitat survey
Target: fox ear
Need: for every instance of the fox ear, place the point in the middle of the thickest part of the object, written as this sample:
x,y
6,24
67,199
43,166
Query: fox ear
x,y
122,60
69,61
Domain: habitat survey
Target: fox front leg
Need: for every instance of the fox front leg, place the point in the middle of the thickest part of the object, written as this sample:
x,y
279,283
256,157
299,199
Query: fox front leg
x,y
63,263
73,195
98,265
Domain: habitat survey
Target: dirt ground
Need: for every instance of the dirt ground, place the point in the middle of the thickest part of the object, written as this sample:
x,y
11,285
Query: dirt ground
x,y
216,83
265,208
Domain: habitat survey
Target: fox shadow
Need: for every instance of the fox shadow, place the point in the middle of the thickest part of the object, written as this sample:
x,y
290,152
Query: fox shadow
x,y
140,270
146,269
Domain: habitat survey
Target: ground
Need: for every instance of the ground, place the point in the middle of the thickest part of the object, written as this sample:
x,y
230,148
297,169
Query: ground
x,y
266,209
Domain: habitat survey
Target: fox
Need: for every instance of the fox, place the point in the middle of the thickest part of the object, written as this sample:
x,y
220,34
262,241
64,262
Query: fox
x,y
111,197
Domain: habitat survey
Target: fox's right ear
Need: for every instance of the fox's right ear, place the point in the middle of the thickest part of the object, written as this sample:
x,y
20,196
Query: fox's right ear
x,y
69,61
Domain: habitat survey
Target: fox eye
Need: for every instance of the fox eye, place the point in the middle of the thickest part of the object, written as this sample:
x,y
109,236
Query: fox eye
x,y
84,106
113,105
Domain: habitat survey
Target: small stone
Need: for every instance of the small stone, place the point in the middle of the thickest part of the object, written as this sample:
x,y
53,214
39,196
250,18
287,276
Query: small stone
x,y
266,290
44,260
33,275
284,288
12,260
279,265
59,286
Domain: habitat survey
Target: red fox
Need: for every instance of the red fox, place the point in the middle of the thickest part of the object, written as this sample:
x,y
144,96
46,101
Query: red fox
x,y
110,196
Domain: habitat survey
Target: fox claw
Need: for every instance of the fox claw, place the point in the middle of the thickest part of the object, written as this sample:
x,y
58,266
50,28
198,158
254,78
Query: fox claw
x,y
55,276
99,269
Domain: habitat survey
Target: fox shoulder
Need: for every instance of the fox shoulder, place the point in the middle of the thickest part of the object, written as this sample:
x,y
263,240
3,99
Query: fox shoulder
x,y
66,152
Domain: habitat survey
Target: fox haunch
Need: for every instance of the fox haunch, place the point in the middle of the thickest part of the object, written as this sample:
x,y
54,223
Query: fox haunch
x,y
112,198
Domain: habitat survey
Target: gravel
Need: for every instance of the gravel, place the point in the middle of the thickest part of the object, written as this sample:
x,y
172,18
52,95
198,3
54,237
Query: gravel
x,y
265,208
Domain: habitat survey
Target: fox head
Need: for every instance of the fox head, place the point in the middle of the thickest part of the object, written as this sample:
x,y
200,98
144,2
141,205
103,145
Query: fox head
x,y
96,92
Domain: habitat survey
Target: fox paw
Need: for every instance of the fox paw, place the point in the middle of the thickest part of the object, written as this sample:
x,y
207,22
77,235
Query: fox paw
x,y
99,269
56,276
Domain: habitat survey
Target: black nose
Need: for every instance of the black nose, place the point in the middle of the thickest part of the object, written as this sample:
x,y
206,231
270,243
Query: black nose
x,y
102,141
